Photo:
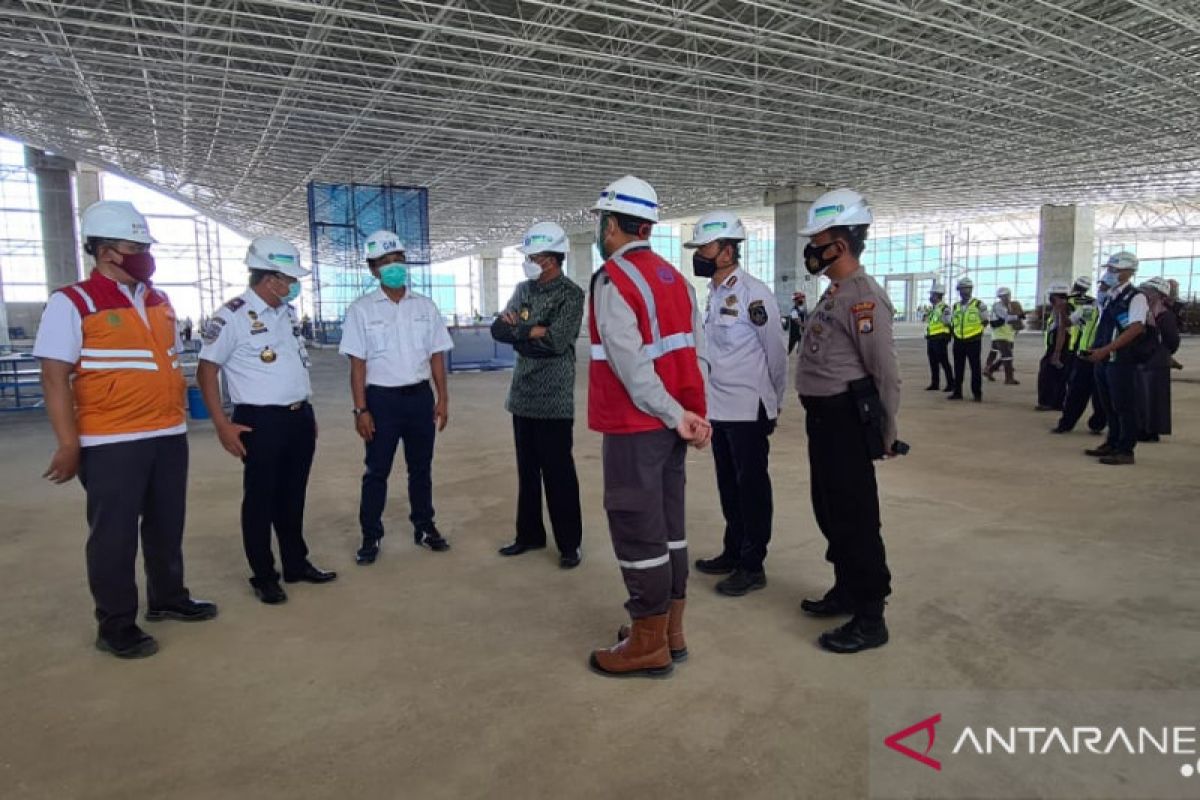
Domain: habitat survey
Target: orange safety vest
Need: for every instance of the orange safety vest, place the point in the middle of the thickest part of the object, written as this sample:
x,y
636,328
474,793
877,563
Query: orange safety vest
x,y
128,378
658,295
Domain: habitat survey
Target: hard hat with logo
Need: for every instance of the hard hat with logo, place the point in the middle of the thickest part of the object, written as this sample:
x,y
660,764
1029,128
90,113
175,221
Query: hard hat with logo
x,y
630,196
1004,291
965,283
115,219
380,243
716,225
544,237
1083,282
275,254
1058,288
1158,284
841,207
1123,260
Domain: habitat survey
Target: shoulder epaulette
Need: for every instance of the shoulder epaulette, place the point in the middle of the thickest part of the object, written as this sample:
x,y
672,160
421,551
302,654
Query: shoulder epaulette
x,y
235,304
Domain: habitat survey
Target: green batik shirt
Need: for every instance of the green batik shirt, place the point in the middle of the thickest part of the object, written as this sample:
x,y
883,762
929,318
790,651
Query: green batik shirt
x,y
543,381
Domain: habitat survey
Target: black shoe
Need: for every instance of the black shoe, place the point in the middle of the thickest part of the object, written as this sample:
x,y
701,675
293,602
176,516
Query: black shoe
x,y
978,398
948,388
1057,429
1148,437
367,553
517,548
570,561
132,642
189,610
742,582
431,538
933,387
855,636
311,574
1040,407
269,591
954,396
828,606
721,565
1117,459
1101,451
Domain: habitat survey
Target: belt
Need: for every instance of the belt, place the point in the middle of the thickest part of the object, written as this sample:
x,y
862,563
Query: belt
x,y
299,406
837,401
412,388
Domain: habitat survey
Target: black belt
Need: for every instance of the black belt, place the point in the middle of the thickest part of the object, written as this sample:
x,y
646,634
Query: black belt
x,y
835,401
300,406
412,388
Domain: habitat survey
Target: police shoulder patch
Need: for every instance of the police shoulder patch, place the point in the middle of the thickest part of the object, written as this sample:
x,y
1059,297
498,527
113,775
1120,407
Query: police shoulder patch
x,y
866,324
234,304
758,313
212,330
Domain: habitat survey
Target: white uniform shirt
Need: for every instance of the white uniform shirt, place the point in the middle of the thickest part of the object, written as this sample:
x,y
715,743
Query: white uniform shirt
x,y
60,337
747,355
395,339
236,338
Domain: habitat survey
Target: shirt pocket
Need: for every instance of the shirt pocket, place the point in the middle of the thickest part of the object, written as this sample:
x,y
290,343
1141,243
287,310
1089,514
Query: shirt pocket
x,y
378,338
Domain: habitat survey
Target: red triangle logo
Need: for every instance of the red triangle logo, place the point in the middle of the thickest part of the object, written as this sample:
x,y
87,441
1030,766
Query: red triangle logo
x,y
930,728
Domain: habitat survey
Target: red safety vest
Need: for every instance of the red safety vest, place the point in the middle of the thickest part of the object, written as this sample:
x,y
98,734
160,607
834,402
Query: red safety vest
x,y
128,378
658,295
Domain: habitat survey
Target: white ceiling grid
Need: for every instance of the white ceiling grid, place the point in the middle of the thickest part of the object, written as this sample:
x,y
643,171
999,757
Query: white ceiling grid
x,y
517,110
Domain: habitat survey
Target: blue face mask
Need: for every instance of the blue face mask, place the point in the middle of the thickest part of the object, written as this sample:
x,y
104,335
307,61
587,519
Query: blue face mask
x,y
393,276
292,293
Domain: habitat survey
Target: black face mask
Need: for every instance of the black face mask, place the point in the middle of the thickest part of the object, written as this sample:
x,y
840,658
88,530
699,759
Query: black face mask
x,y
703,267
815,260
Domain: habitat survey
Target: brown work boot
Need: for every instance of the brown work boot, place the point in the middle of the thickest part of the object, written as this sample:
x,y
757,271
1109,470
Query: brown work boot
x,y
1009,380
644,653
675,641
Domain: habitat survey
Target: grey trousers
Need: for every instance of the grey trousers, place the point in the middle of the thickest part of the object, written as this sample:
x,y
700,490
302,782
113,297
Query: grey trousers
x,y
135,487
644,482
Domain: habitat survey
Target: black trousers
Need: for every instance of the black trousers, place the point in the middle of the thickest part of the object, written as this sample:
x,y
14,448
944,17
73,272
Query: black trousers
x,y
1052,380
937,349
403,413
279,455
795,334
1154,400
845,500
967,351
1116,381
134,487
1081,387
741,453
544,457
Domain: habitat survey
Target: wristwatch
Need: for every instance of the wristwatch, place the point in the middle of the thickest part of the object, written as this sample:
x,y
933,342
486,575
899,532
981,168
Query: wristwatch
x,y
359,411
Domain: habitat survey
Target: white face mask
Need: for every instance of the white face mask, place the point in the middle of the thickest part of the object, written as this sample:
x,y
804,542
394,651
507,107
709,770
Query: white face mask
x,y
532,270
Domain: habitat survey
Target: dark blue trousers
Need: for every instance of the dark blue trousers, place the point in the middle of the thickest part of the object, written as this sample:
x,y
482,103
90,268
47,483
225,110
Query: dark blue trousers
x,y
401,414
1116,382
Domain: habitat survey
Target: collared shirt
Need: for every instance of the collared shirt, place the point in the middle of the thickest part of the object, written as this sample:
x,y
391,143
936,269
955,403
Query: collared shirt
x,y
60,337
746,352
849,337
260,350
395,339
543,380
624,351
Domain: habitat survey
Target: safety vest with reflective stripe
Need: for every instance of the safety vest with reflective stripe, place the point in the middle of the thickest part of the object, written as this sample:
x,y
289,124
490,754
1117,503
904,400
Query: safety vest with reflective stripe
x,y
967,322
1074,303
658,295
934,326
128,378
1087,328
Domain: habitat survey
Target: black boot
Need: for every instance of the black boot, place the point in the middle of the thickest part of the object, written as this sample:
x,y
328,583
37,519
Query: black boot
x,y
367,553
721,565
855,636
131,642
429,536
742,582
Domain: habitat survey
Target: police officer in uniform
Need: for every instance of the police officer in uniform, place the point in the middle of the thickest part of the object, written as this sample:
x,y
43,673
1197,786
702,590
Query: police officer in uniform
x,y
1052,370
968,320
1081,383
255,342
748,378
849,383
937,339
397,342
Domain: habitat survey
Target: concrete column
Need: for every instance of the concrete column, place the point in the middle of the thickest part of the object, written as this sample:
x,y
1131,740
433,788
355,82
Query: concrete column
x,y
57,203
579,259
489,283
1065,242
87,186
791,204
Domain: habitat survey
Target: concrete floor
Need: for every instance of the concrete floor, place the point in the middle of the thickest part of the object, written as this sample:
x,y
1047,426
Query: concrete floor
x,y
1018,564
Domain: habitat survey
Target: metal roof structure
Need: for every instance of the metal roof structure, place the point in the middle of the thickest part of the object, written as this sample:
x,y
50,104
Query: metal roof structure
x,y
511,111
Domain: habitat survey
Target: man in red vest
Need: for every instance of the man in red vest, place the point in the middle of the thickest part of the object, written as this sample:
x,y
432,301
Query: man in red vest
x,y
646,395
114,391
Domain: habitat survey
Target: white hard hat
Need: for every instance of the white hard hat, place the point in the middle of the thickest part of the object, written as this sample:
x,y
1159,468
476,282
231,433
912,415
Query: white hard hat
x,y
544,237
937,288
630,196
965,283
1158,284
380,243
275,254
115,219
1083,282
716,225
1123,260
1004,291
841,207
1058,287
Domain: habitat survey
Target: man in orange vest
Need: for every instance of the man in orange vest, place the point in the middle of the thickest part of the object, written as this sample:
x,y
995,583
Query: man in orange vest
x,y
114,392
646,395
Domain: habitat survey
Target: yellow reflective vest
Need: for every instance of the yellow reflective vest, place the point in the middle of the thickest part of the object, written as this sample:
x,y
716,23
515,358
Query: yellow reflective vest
x,y
967,321
934,326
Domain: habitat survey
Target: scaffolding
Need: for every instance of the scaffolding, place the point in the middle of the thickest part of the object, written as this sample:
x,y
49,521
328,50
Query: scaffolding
x,y
341,217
